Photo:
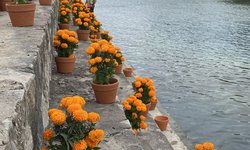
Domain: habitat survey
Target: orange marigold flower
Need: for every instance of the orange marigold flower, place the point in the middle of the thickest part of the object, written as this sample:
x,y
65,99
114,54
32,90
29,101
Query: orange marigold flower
x,y
98,59
138,78
118,55
65,20
48,134
57,43
71,56
64,45
134,115
138,108
137,102
96,135
93,69
199,147
71,39
58,118
78,100
91,61
127,107
96,46
122,59
73,107
153,100
93,117
85,24
143,108
208,146
138,95
90,143
137,84
90,51
82,145
107,60
140,90
143,118
143,125
65,36
63,13
80,115
151,93
51,111
144,81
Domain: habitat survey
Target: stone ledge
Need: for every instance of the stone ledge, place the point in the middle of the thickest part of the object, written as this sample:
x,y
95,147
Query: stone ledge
x,y
25,73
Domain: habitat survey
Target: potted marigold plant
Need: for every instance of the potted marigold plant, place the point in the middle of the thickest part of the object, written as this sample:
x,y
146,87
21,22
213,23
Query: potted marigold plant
x,y
21,13
95,28
65,41
105,35
133,108
83,23
64,14
103,66
76,8
119,58
73,128
144,90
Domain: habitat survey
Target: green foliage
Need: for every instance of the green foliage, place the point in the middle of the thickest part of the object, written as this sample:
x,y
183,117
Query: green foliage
x,y
21,1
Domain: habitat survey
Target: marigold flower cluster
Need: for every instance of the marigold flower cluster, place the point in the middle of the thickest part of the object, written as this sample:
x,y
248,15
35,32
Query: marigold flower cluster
x,y
105,35
78,6
144,89
205,146
83,21
102,60
65,41
75,125
64,12
133,110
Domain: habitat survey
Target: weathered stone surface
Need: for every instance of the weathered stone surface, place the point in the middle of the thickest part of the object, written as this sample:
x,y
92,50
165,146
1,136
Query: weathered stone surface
x,y
25,73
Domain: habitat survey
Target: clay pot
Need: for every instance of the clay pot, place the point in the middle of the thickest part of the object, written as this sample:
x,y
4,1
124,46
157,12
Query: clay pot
x,y
152,106
162,122
3,4
106,94
98,34
118,69
146,112
63,25
65,64
45,2
21,15
83,35
127,72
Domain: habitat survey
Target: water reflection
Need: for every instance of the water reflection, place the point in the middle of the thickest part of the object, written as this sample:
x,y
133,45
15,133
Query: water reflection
x,y
198,53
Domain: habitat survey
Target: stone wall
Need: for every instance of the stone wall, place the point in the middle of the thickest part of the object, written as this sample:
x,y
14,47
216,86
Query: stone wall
x,y
25,73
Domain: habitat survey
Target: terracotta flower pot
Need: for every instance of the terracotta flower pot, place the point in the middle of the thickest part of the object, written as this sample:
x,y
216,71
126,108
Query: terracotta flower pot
x,y
21,15
3,4
45,2
162,122
118,69
65,64
63,25
106,94
127,72
98,34
83,35
152,106
146,112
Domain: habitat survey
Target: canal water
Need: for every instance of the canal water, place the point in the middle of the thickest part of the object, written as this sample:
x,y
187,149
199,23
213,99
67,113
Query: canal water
x,y
198,53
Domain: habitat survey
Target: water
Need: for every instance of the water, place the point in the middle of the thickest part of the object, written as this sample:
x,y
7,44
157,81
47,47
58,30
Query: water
x,y
198,53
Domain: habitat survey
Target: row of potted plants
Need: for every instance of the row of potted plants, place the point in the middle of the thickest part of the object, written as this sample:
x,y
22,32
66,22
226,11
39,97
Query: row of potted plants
x,y
72,128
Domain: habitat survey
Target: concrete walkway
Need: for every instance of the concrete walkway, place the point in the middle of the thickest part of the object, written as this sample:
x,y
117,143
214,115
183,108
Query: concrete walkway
x,y
119,135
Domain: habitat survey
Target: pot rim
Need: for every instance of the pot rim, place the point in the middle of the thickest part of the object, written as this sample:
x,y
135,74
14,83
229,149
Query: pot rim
x,y
105,85
161,118
14,4
128,69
